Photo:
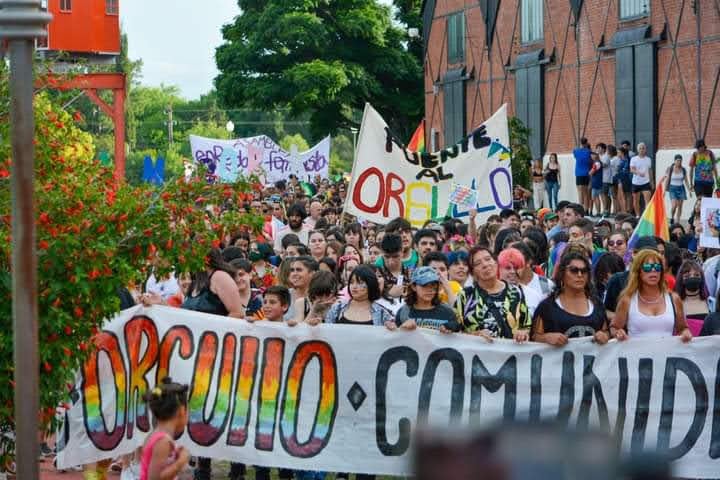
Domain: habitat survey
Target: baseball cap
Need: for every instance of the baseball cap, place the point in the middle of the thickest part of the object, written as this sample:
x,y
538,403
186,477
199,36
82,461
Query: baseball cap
x,y
424,275
550,216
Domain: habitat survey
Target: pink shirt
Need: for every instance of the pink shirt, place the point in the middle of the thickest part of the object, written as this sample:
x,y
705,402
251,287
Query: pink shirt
x,y
147,453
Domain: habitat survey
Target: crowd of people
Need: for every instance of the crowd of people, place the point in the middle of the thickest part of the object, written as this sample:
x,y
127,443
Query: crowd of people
x,y
547,275
613,180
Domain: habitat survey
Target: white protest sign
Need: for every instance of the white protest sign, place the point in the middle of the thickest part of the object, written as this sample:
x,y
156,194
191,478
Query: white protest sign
x,y
389,181
342,398
710,220
227,159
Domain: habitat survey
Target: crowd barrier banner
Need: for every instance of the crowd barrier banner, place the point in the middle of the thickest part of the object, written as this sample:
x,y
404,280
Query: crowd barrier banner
x,y
389,181
227,159
343,398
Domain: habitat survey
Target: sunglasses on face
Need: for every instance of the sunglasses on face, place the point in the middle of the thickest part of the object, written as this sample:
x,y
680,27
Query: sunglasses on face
x,y
649,267
616,243
578,270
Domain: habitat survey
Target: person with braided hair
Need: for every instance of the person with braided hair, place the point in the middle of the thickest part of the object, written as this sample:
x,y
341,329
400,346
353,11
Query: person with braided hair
x,y
161,459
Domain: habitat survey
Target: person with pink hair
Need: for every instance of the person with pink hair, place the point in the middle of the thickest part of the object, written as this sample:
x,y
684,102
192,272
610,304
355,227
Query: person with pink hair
x,y
510,262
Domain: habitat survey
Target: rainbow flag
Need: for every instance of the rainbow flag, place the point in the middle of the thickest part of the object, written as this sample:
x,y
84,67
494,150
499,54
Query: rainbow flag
x,y
653,222
417,142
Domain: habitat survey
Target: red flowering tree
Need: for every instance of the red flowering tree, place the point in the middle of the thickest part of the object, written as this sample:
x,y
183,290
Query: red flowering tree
x,y
94,238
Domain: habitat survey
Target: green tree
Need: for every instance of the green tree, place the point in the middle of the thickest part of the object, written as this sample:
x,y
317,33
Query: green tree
x,y
521,155
324,59
289,140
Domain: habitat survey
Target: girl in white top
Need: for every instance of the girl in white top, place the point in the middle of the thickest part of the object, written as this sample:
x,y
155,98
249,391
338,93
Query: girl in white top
x,y
647,308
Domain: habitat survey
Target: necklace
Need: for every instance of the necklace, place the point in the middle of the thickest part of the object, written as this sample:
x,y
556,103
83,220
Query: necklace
x,y
651,302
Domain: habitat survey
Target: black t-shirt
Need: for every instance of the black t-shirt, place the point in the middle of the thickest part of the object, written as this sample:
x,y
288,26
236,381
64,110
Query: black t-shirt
x,y
439,315
557,320
711,325
615,285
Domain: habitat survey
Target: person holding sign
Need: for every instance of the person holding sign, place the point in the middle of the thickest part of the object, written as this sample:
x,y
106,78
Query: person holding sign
x,y
646,307
423,307
490,307
571,310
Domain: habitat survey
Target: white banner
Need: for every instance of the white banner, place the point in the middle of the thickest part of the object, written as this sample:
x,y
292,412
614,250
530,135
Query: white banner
x,y
343,398
227,159
389,181
710,219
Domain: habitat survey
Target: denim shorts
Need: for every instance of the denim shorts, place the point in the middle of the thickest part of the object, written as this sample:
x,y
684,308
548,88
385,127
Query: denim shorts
x,y
596,192
677,192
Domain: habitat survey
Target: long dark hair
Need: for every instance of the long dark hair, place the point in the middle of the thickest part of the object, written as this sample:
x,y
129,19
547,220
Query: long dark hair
x,y
214,261
689,266
366,275
568,256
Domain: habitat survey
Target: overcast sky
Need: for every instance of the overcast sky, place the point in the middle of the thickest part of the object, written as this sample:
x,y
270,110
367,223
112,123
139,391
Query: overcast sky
x,y
177,40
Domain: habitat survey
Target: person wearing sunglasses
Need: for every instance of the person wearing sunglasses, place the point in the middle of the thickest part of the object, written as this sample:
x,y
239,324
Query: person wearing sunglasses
x,y
572,310
647,308
617,243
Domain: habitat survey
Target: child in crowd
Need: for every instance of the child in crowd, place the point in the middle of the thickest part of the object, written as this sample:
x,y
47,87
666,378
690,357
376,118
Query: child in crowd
x,y
423,307
161,458
276,302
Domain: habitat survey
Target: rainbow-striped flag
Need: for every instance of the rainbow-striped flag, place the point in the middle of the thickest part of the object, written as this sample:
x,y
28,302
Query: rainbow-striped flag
x,y
417,142
653,222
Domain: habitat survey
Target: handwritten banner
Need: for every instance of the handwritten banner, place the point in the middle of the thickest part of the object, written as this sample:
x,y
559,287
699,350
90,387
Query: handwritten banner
x,y
227,159
310,398
389,181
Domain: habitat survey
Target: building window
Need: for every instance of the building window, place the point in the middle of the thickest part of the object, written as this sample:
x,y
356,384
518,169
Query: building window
x,y
456,37
634,8
111,7
65,5
455,106
531,21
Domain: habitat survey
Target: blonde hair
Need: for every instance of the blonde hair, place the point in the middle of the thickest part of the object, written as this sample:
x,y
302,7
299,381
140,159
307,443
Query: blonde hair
x,y
639,259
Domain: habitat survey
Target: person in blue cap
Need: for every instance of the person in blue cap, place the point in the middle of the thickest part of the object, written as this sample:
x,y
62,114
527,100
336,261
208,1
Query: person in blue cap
x,y
423,307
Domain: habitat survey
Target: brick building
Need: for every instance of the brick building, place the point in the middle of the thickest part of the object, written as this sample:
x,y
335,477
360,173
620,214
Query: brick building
x,y
609,70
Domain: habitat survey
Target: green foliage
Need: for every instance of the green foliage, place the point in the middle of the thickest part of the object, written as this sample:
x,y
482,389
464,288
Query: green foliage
x,y
341,155
95,237
289,140
323,59
521,155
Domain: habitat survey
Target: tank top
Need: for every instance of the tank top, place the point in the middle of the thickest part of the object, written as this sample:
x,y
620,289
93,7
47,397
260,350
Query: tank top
x,y
206,301
344,320
676,178
644,326
147,453
551,175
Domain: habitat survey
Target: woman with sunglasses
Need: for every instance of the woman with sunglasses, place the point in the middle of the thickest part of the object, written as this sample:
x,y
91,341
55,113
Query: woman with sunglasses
x,y
491,307
647,308
571,310
617,243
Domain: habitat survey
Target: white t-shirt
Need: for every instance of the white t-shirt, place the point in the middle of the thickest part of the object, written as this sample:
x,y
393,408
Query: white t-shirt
x,y
642,170
607,172
165,288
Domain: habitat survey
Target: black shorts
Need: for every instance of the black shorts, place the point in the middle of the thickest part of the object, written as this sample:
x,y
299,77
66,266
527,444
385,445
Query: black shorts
x,y
703,189
582,181
641,188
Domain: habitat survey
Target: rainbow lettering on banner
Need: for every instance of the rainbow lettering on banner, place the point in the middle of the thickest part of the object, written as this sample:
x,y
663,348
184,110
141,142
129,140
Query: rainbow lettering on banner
x,y
181,335
269,393
95,425
202,431
138,369
327,405
243,391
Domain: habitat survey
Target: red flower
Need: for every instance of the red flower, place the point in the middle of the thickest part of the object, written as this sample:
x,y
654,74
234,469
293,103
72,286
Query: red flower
x,y
4,173
67,351
94,273
101,229
216,243
78,312
148,232
44,218
67,330
47,367
43,245
77,116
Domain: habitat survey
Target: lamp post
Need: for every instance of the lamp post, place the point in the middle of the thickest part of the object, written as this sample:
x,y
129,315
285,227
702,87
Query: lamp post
x,y
21,22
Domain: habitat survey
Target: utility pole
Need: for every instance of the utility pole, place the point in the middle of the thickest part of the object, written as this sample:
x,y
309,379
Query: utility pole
x,y
169,112
21,23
